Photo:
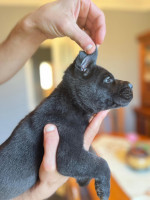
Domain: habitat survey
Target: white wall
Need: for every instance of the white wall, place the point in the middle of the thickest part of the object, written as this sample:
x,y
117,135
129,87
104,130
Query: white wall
x,y
119,54
13,94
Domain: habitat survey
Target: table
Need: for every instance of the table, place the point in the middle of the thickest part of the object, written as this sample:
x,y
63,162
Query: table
x,y
117,192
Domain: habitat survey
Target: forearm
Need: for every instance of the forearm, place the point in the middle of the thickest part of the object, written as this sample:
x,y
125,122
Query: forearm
x,y
19,46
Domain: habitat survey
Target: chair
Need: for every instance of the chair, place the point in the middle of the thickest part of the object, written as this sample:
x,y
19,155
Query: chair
x,y
114,122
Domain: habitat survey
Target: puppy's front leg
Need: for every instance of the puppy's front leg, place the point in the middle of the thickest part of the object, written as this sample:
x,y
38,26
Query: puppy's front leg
x,y
85,181
88,166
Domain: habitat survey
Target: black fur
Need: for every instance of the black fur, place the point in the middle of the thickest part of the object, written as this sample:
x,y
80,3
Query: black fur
x,y
85,90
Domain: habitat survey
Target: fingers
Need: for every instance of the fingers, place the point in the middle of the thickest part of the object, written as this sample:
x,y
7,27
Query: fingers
x,y
93,128
95,23
83,14
49,178
99,29
51,140
97,17
92,19
81,37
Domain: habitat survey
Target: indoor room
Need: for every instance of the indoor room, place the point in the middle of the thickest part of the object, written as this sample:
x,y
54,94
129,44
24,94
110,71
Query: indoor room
x,y
123,139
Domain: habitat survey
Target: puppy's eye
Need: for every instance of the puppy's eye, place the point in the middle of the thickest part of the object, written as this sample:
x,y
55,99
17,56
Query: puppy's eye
x,y
108,79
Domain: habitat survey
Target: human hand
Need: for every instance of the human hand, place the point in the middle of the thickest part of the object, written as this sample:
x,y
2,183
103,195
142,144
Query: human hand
x,y
81,20
49,178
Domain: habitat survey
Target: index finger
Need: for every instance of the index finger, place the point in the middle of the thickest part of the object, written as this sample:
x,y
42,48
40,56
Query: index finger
x,y
97,19
93,128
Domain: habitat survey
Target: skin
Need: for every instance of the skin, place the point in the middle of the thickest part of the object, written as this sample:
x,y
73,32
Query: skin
x,y
72,17
84,23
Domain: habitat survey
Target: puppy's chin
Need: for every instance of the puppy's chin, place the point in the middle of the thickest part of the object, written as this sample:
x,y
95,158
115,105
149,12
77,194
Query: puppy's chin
x,y
121,102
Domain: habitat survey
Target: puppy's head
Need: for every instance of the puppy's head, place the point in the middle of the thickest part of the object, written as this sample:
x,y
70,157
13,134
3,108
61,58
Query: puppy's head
x,y
93,87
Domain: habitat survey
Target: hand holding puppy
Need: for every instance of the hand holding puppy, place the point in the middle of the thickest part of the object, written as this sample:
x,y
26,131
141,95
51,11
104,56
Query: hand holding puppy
x,y
49,179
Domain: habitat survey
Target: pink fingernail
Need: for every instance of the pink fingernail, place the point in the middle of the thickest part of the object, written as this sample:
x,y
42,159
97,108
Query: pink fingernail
x,y
90,46
49,128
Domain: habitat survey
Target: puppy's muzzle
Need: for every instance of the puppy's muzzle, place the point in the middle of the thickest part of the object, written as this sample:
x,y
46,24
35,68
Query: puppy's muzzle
x,y
126,91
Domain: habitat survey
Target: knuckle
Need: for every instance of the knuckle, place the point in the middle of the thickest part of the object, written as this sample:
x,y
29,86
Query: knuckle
x,y
49,168
101,14
65,26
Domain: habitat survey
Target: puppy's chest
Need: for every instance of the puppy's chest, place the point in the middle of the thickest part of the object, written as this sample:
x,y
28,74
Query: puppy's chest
x,y
75,123
72,131
74,118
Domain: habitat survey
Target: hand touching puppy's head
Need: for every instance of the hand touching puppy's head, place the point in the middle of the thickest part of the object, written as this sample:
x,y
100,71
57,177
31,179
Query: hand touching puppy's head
x,y
95,88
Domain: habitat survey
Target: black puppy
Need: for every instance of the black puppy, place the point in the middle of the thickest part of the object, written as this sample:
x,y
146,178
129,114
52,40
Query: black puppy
x,y
85,90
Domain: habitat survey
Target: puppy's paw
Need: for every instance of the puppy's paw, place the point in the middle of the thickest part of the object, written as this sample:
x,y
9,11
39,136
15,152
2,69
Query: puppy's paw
x,y
102,190
83,181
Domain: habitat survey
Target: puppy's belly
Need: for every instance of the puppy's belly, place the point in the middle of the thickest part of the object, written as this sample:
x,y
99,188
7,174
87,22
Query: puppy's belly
x,y
17,175
11,190
20,159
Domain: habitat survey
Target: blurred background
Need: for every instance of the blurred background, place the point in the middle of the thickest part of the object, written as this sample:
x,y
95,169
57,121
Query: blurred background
x,y
125,53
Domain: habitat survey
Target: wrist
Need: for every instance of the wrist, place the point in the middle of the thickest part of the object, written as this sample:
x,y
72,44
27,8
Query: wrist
x,y
26,34
25,196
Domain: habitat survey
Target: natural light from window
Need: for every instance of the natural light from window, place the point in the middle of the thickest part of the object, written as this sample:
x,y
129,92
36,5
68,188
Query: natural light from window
x,y
46,76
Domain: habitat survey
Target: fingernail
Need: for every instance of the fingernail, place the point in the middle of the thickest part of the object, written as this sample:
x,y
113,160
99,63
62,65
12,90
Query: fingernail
x,y
90,46
106,112
49,128
98,45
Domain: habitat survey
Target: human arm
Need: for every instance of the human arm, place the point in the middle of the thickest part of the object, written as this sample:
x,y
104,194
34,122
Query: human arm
x,y
49,179
57,19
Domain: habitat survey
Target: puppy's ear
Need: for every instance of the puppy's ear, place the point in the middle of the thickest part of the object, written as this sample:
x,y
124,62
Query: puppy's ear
x,y
84,61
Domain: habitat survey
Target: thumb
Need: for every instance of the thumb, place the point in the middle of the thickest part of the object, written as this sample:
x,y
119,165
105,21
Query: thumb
x,y
51,140
81,38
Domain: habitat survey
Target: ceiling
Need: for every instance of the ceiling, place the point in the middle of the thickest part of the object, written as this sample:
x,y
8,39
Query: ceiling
x,y
133,5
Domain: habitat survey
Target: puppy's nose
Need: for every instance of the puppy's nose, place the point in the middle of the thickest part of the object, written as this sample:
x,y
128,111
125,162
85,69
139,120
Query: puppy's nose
x,y
130,85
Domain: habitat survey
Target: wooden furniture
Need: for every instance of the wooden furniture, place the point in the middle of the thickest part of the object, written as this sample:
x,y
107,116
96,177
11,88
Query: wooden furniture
x,y
72,190
143,120
143,112
117,120
144,48
116,192
114,122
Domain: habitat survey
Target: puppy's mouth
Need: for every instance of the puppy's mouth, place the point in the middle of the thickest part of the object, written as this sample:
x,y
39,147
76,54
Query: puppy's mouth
x,y
124,96
126,93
